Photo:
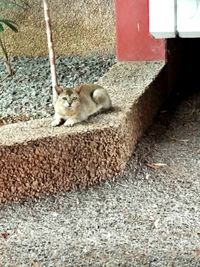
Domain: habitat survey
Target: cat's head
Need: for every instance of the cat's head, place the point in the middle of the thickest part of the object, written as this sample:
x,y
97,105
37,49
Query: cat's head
x,y
68,98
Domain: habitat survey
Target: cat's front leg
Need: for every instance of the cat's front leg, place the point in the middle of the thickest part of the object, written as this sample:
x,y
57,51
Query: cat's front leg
x,y
56,120
70,122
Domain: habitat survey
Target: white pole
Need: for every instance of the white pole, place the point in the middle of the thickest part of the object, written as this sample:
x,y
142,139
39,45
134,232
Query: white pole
x,y
51,50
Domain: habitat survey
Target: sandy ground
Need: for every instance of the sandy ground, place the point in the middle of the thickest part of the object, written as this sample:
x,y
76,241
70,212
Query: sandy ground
x,y
150,216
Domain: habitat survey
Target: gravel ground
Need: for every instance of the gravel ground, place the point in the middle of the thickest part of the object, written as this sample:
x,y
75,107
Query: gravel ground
x,y
150,216
28,92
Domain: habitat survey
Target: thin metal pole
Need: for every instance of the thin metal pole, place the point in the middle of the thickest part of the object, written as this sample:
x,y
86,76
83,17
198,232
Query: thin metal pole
x,y
50,49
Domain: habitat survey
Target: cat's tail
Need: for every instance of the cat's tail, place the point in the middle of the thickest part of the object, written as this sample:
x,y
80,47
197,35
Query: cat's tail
x,y
101,98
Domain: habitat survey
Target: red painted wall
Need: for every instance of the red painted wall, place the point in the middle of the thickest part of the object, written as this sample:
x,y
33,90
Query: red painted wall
x,y
133,40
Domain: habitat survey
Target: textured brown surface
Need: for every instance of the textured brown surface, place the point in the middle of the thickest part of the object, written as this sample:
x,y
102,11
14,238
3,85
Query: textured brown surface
x,y
79,27
37,159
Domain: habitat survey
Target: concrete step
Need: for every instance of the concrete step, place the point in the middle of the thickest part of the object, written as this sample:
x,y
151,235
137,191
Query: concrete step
x,y
37,159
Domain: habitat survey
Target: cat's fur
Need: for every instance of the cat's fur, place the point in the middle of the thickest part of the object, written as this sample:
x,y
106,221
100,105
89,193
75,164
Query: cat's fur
x,y
75,105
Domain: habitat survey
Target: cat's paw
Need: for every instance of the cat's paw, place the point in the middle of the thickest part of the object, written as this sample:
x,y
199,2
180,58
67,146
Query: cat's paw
x,y
55,123
70,123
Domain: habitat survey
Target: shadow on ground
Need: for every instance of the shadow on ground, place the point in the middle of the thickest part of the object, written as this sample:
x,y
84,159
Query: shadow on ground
x,y
150,216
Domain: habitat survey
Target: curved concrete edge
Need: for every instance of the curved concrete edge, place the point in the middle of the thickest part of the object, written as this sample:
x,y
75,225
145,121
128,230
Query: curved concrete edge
x,y
36,159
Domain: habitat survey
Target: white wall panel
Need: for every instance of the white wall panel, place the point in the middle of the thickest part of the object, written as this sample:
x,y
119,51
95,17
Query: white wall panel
x,y
188,18
162,18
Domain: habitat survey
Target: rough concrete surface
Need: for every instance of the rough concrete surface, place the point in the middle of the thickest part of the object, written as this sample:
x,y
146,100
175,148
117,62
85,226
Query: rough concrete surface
x,y
79,27
149,216
38,159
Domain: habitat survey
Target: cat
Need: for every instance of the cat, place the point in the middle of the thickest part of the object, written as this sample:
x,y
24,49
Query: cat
x,y
74,105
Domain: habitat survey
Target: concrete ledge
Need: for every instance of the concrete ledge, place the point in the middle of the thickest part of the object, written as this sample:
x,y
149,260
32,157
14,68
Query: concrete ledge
x,y
36,159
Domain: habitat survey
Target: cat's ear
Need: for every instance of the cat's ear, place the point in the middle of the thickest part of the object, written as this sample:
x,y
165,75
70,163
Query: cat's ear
x,y
78,89
59,89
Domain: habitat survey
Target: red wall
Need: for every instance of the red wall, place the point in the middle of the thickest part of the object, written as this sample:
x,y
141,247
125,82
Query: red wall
x,y
133,40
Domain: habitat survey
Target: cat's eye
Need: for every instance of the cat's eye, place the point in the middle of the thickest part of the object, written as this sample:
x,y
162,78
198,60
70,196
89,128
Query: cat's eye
x,y
64,98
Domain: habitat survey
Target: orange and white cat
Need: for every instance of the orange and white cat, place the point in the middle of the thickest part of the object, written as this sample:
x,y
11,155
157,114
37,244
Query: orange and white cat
x,y
74,105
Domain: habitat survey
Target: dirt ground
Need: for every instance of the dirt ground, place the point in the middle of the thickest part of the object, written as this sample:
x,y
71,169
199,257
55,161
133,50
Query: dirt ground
x,y
150,216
